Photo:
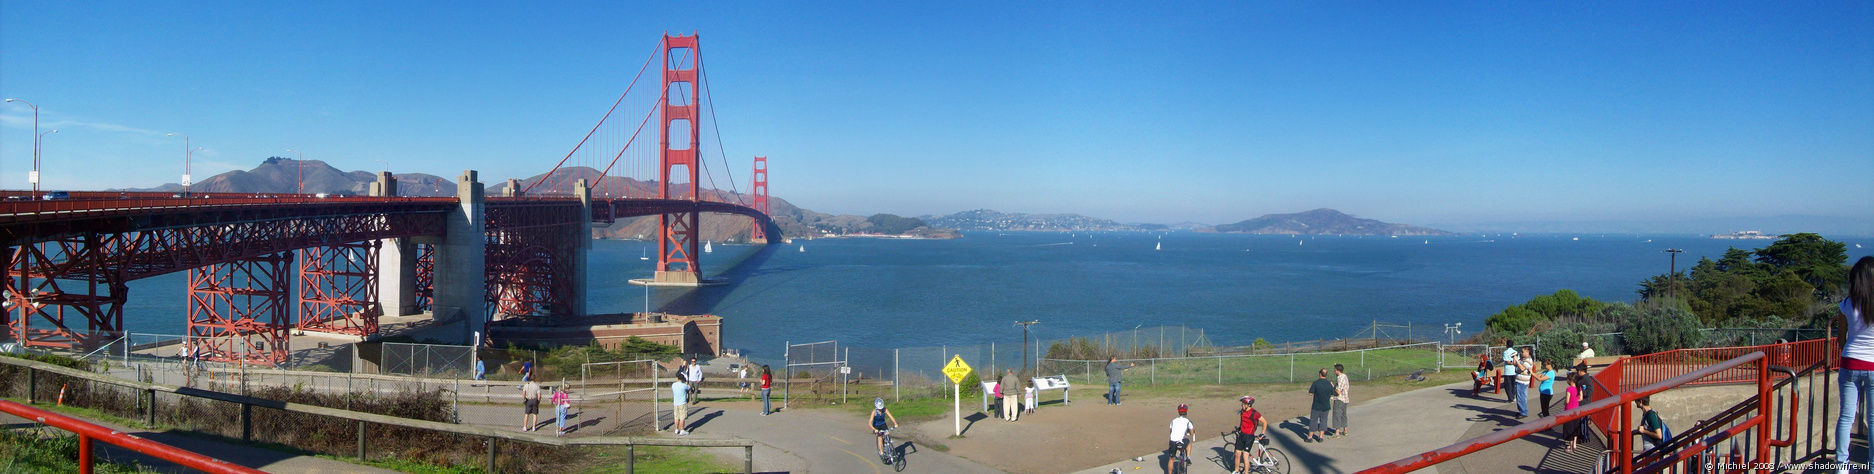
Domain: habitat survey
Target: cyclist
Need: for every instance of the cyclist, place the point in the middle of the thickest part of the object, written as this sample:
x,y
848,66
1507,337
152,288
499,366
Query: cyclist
x,y
1246,434
1182,432
879,418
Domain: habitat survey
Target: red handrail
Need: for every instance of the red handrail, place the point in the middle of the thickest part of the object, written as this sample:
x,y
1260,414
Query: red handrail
x,y
87,431
1619,403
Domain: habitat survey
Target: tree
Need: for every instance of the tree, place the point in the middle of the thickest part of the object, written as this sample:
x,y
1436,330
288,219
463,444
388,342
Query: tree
x,y
1658,328
1819,261
892,224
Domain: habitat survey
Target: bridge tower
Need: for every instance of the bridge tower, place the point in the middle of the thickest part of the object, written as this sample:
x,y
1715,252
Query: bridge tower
x,y
677,246
759,232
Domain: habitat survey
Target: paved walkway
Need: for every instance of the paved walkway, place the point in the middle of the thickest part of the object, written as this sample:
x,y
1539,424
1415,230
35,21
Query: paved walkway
x,y
1385,430
250,456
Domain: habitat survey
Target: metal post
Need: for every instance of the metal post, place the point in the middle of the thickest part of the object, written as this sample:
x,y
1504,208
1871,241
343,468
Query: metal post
x,y
748,459
894,375
787,379
1154,370
1291,367
247,422
657,421
361,451
631,451
84,449
1219,370
842,374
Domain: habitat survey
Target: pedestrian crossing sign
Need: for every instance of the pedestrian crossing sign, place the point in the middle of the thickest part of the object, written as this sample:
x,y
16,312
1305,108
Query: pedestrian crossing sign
x,y
956,369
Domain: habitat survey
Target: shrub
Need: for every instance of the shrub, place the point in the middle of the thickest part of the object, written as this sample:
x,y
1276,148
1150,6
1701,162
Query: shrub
x,y
1659,327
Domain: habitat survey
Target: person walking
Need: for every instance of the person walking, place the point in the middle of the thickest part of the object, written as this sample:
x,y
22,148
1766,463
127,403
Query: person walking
x,y
1112,378
1320,393
530,405
1342,398
680,404
1857,360
741,375
767,379
1545,385
1010,387
481,371
561,403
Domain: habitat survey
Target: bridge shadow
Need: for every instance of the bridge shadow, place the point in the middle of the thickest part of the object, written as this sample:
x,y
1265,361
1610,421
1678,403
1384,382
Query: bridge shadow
x,y
705,299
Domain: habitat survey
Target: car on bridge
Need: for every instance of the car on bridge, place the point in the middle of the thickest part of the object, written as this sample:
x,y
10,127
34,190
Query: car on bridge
x,y
56,196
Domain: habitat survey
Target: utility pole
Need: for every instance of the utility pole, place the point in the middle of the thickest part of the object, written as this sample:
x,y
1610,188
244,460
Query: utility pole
x,y
1025,325
1672,274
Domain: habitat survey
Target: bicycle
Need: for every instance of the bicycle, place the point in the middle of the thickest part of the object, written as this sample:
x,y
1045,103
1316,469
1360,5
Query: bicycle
x,y
891,456
1180,461
1272,460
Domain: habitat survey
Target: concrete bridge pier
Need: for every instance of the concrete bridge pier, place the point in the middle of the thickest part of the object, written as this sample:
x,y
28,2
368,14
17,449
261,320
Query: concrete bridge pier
x,y
461,263
581,237
396,279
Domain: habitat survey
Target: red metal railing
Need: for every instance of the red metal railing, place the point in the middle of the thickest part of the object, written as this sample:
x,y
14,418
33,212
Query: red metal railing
x,y
1633,372
87,432
1621,407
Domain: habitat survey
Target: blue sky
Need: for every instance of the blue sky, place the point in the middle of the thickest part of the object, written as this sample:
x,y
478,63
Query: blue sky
x,y
1452,113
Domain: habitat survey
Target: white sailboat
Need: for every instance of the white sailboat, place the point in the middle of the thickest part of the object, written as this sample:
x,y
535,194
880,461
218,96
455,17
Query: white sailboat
x,y
642,255
1159,246
803,249
707,248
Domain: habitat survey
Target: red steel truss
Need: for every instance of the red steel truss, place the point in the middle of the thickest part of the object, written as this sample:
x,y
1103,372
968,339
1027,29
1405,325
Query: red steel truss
x,y
238,312
677,246
338,289
38,301
529,257
759,231
425,276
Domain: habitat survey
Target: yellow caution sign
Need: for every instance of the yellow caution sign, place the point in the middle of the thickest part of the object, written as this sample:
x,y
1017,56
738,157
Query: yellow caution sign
x,y
956,369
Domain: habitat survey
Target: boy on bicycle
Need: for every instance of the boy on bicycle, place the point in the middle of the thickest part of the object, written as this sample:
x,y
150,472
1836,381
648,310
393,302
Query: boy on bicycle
x,y
879,416
1183,431
1246,434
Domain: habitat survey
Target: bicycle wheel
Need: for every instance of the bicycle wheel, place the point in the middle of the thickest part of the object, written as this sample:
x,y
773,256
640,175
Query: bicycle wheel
x,y
1275,461
897,461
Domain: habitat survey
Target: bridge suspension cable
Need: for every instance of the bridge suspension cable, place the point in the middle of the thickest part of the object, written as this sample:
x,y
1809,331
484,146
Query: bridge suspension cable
x,y
595,127
710,99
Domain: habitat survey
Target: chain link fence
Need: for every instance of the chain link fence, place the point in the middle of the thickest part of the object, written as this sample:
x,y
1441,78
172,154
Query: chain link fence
x,y
427,360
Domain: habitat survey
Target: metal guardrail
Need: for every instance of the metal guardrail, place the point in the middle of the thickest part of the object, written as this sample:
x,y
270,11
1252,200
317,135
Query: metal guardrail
x,y
363,420
88,432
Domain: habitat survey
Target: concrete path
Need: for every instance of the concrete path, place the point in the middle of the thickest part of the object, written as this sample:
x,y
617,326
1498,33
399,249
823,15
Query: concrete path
x,y
822,440
254,457
1381,431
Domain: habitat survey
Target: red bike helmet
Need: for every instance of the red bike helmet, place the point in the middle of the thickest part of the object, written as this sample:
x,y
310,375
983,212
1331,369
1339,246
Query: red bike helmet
x,y
1182,409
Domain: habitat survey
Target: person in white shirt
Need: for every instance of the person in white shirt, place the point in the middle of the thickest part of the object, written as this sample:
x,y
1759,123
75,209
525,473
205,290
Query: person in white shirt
x,y
1509,371
694,374
1586,353
1183,431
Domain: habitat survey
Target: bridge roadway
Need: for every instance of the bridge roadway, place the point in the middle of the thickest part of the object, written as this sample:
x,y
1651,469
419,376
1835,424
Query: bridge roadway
x,y
467,257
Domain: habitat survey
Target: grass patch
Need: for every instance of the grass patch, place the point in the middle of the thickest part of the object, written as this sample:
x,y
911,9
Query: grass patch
x,y
28,451
660,459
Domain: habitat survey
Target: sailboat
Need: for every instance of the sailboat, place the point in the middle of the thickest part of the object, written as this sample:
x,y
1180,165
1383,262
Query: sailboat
x,y
803,249
707,248
1159,246
642,255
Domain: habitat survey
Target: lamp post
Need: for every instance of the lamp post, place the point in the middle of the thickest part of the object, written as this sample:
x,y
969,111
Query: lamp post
x,y
1672,273
302,169
38,141
187,158
34,177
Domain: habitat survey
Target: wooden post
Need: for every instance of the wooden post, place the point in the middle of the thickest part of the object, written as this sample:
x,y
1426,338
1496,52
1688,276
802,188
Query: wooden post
x,y
150,416
631,455
247,424
491,455
748,456
32,384
361,451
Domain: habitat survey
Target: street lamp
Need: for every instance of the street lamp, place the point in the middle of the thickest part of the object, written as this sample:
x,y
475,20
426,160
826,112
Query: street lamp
x,y
1452,331
187,158
34,177
302,169
37,140
1672,274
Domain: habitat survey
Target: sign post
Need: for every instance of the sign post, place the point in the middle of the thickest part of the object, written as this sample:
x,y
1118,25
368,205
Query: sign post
x,y
957,370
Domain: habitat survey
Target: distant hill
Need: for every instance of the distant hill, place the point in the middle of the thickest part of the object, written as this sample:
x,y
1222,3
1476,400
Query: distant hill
x,y
985,219
282,175
1321,222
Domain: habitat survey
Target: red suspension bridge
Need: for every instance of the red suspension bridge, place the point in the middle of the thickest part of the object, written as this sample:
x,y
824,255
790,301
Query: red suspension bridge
x,y
469,258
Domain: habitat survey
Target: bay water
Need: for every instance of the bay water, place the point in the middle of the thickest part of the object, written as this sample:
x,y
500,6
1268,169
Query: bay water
x,y
888,293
